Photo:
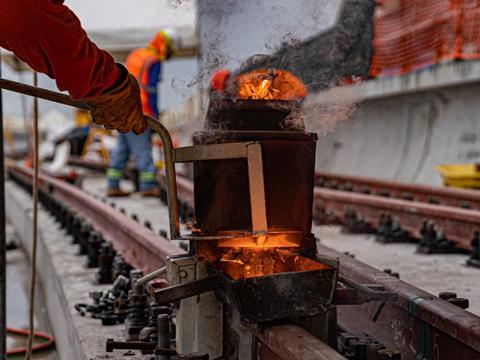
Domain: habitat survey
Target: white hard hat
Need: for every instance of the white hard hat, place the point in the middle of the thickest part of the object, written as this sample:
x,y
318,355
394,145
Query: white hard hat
x,y
172,38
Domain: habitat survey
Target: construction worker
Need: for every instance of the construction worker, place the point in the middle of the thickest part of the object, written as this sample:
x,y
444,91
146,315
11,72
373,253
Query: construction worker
x,y
48,36
145,64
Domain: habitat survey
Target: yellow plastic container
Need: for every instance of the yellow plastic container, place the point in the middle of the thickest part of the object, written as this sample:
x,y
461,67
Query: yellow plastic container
x,y
464,176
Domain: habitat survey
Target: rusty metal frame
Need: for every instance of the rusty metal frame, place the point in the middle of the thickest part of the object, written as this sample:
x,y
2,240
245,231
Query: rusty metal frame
x,y
252,151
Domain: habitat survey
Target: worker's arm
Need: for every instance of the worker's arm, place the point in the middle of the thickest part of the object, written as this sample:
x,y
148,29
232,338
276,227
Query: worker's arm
x,y
48,36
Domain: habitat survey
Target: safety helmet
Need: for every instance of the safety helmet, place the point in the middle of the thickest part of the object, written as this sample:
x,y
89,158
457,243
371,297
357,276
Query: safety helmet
x,y
165,43
172,39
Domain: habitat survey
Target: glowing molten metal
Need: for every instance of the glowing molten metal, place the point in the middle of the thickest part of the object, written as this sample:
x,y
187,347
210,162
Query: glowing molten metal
x,y
270,84
248,263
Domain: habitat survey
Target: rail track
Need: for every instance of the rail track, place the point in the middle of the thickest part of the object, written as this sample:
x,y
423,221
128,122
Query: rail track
x,y
419,325
441,220
467,199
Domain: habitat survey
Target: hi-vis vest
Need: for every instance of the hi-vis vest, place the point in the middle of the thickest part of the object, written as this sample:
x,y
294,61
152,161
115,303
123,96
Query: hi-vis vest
x,y
138,64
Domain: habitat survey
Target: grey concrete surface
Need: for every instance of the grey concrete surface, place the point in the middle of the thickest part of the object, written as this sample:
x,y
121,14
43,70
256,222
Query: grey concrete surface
x,y
18,285
432,273
66,282
405,137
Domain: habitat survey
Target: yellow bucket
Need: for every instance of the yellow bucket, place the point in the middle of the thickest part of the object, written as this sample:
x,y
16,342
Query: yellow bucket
x,y
464,176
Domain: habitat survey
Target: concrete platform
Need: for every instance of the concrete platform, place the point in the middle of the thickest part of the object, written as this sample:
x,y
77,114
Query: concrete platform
x,y
18,285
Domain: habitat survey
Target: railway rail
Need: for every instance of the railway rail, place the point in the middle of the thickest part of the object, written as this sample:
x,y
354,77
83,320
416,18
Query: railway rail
x,y
442,220
419,325
406,191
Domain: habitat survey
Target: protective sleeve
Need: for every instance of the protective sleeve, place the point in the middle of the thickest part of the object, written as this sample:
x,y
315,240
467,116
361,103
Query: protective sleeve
x,y
49,37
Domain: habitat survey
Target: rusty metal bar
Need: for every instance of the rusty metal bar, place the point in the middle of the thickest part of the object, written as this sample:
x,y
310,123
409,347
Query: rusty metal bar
x,y
290,342
458,224
3,258
252,151
396,189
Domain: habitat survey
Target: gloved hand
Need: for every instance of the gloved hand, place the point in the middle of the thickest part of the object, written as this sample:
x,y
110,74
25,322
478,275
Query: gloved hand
x,y
120,107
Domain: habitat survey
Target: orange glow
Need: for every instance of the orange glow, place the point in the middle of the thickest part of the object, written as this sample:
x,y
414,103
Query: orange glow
x,y
270,84
248,263
258,89
273,239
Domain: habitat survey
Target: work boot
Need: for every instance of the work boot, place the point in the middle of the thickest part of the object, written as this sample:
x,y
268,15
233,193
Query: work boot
x,y
153,192
111,192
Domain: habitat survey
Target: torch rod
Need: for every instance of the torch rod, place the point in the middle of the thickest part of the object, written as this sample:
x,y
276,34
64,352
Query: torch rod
x,y
154,124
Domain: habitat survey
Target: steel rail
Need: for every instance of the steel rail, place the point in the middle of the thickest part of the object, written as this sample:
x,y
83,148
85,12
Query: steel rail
x,y
145,250
458,224
401,190
419,325
291,342
139,246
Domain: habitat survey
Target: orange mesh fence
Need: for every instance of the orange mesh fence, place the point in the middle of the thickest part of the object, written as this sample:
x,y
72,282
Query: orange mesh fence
x,y
414,34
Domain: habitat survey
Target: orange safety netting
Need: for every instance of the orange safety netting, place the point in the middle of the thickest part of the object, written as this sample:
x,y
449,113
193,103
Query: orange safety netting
x,y
413,34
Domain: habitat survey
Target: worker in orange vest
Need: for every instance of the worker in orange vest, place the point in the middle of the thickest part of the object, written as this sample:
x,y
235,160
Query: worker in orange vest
x,y
145,64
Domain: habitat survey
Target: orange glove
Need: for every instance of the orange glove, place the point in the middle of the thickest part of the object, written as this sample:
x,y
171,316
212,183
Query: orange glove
x,y
120,107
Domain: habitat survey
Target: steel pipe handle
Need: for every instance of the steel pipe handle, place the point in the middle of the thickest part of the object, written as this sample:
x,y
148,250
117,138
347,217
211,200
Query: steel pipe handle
x,y
154,124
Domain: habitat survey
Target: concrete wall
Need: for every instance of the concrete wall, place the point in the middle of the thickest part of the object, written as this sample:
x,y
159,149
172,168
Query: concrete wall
x,y
407,125
230,31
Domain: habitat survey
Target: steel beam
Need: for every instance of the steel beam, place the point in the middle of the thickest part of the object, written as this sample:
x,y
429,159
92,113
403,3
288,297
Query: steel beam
x,y
418,324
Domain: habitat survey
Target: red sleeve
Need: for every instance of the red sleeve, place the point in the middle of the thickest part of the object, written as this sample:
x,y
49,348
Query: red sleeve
x,y
48,36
